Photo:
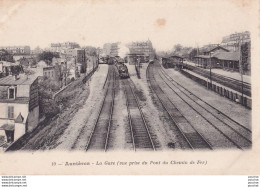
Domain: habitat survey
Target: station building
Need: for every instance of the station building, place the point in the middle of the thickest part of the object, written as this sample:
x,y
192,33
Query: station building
x,y
226,60
205,59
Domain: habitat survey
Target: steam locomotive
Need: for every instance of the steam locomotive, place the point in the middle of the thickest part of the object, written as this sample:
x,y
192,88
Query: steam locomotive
x,y
122,68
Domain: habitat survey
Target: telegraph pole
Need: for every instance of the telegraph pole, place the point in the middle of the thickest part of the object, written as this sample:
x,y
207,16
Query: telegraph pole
x,y
197,53
210,70
241,69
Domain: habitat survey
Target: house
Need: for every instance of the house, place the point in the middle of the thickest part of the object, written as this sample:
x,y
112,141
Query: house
x,y
79,56
27,62
5,56
19,106
49,72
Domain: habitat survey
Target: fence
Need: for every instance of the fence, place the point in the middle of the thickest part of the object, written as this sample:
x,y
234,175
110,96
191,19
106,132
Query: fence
x,y
234,96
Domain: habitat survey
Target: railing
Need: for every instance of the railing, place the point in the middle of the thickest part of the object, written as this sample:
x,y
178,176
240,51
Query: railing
x,y
232,95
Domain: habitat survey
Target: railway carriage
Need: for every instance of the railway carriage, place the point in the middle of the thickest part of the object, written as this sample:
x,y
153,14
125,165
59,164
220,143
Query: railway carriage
x,y
102,60
172,62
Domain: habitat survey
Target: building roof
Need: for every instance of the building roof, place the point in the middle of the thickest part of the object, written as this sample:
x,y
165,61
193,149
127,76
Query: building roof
x,y
8,127
176,56
21,80
233,56
48,68
208,49
5,63
202,56
136,54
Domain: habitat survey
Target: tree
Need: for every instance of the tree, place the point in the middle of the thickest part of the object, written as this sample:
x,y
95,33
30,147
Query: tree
x,y
6,56
28,72
245,52
91,51
177,48
48,106
47,57
193,53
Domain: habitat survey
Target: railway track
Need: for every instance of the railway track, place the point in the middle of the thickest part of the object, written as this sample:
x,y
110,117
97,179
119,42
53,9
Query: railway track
x,y
224,80
99,136
141,136
190,137
236,133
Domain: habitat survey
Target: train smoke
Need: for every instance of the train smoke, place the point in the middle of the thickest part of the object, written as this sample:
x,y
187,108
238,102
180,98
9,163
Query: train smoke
x,y
123,50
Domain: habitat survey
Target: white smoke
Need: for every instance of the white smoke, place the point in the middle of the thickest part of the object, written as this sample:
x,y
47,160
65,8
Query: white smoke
x,y
123,50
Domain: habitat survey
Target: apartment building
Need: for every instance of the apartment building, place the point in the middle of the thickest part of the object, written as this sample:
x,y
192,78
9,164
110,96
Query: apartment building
x,y
19,105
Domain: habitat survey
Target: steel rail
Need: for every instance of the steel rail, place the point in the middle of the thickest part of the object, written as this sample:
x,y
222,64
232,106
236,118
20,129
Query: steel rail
x,y
170,79
111,112
129,119
172,118
97,119
142,115
238,146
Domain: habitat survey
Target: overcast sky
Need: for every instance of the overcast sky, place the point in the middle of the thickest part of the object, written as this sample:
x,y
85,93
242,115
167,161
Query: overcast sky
x,y
165,23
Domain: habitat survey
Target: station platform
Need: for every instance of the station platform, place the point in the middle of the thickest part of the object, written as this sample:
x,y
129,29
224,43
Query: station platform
x,y
234,75
217,84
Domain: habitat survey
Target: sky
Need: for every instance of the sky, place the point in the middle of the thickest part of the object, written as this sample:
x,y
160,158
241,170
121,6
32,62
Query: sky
x,y
165,23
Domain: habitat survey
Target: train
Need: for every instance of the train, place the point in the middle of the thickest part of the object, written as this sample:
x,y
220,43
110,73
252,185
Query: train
x,y
111,60
107,60
172,62
122,68
123,71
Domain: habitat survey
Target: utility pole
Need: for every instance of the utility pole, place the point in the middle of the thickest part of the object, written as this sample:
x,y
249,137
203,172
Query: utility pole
x,y
198,53
66,70
97,62
93,65
210,70
241,69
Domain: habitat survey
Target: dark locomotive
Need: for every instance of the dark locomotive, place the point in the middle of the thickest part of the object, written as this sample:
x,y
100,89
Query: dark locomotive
x,y
122,68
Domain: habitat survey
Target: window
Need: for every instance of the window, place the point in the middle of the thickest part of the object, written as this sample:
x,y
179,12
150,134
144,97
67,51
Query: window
x,y
11,93
10,112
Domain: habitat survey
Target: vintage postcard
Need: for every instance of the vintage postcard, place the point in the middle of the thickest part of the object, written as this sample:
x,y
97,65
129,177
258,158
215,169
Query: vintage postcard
x,y
129,87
